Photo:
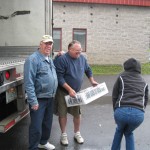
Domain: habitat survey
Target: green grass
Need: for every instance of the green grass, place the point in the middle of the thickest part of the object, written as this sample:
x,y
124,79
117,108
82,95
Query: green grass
x,y
115,69
146,68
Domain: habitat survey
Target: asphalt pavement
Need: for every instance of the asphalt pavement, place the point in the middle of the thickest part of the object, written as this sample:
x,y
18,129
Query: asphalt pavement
x,y
97,126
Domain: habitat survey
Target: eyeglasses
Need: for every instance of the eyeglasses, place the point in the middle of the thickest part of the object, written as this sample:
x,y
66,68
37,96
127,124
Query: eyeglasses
x,y
48,43
77,50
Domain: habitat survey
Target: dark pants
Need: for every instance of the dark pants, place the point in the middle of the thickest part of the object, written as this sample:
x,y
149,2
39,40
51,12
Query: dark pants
x,y
41,123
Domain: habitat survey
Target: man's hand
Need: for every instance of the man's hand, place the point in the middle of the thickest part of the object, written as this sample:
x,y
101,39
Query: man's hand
x,y
72,93
93,82
35,107
60,53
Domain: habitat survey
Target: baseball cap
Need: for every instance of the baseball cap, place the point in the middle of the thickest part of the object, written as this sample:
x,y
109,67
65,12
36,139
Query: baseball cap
x,y
47,38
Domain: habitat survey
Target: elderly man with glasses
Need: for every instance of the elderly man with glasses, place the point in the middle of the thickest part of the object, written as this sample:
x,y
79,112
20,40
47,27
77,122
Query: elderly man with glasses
x,y
70,68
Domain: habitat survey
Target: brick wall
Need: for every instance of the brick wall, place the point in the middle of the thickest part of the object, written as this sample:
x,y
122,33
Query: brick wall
x,y
114,32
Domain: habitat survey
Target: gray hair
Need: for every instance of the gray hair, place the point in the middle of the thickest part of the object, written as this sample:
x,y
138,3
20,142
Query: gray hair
x,y
72,43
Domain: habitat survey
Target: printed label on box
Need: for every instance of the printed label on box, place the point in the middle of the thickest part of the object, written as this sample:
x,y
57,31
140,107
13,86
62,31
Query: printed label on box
x,y
87,95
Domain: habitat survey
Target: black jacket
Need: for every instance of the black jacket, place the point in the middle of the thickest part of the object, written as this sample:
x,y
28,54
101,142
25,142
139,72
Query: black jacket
x,y
130,89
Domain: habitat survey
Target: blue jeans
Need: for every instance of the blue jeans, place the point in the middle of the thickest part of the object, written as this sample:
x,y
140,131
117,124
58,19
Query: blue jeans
x,y
41,123
127,120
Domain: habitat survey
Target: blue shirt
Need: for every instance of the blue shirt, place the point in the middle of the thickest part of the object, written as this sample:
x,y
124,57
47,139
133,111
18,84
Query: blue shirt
x,y
71,71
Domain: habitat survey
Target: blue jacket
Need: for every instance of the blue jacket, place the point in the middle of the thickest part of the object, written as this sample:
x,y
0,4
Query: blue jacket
x,y
40,78
71,71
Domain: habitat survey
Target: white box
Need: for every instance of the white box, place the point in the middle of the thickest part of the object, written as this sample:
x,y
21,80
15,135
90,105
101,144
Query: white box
x,y
87,95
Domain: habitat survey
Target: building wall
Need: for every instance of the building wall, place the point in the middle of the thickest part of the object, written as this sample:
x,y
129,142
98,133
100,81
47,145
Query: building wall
x,y
119,2
114,32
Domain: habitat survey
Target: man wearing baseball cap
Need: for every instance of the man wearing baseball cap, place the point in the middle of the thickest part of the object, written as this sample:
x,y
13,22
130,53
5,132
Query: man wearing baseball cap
x,y
40,84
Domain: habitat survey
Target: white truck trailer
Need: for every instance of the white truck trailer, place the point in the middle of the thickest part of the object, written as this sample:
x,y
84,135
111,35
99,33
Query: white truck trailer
x,y
22,24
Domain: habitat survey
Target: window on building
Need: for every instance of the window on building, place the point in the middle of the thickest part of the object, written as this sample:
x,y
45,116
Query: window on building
x,y
57,37
80,35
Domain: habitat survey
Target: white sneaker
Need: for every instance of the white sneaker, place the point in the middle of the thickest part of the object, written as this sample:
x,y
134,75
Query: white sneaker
x,y
63,139
47,146
78,138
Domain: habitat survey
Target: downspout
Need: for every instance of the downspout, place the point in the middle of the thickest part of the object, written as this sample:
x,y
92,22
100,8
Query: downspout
x,y
52,23
49,19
